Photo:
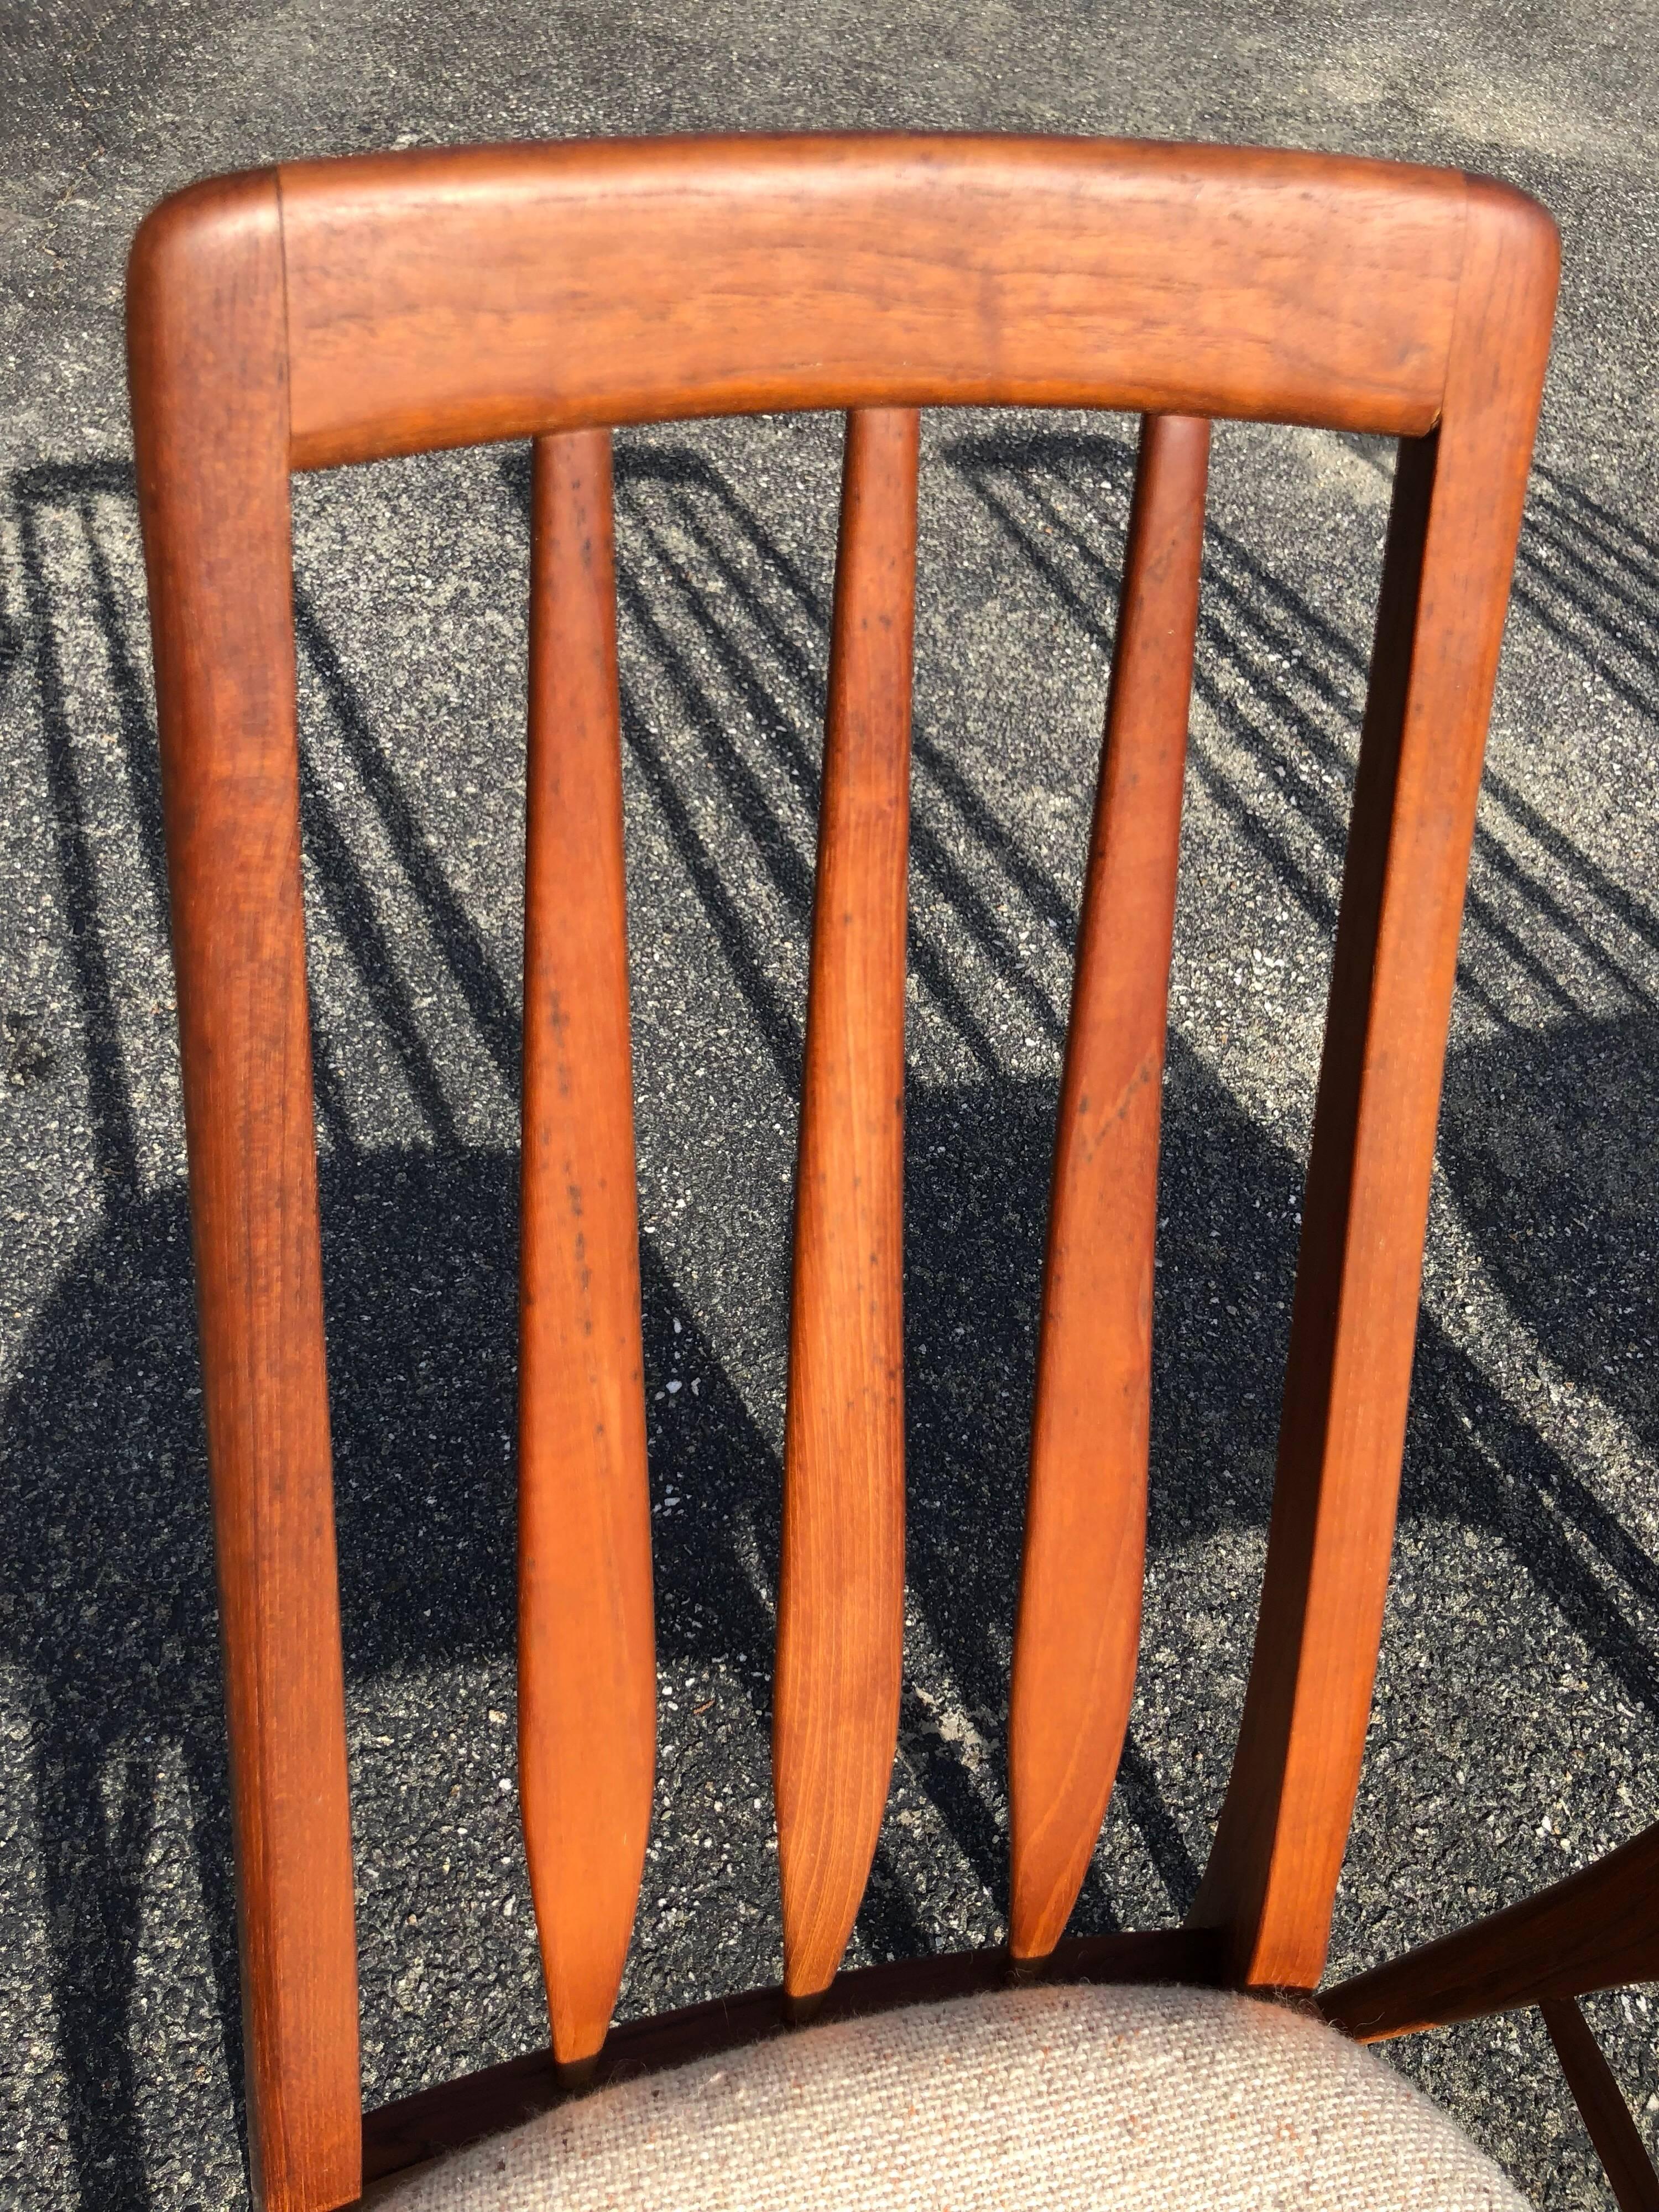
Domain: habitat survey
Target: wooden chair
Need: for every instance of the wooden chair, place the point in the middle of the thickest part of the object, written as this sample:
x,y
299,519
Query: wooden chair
x,y
336,312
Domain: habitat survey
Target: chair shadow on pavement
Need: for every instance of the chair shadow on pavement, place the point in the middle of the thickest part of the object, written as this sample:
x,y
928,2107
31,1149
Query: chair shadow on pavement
x,y
106,1567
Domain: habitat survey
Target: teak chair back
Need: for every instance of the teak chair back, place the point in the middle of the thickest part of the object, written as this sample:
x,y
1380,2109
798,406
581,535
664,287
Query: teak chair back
x,y
333,311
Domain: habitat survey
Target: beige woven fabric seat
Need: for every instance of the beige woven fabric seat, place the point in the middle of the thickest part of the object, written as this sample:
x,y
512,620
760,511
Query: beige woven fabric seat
x,y
1065,2099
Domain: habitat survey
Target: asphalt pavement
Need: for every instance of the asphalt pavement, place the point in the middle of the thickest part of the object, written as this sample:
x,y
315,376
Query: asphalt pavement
x,y
1517,1722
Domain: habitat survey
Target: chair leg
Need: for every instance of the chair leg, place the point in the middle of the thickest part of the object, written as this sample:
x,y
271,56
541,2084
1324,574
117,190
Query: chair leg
x,y
1599,2098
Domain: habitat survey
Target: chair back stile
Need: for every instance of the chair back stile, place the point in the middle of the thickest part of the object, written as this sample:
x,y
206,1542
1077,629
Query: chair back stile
x,y
329,312
209,370
1455,518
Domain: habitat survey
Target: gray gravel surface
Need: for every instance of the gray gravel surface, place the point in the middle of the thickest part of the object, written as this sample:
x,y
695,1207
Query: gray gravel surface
x,y
1517,1723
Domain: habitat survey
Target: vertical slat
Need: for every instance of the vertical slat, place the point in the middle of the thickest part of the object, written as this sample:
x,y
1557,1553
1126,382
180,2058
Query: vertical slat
x,y
1079,1604
841,1605
1458,497
1607,2116
210,404
587,1664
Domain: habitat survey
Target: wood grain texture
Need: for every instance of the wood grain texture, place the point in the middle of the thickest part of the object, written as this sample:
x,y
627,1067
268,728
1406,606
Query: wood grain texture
x,y
1607,2116
840,1597
336,310
1597,1930
439,298
1079,1624
445,2118
586,1658
210,428
1458,497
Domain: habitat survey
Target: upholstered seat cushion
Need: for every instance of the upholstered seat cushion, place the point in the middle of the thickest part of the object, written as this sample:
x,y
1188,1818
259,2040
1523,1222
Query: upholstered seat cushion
x,y
1046,2099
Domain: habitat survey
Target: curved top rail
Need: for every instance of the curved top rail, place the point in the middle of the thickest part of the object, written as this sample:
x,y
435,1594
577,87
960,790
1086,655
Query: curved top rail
x,y
449,297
